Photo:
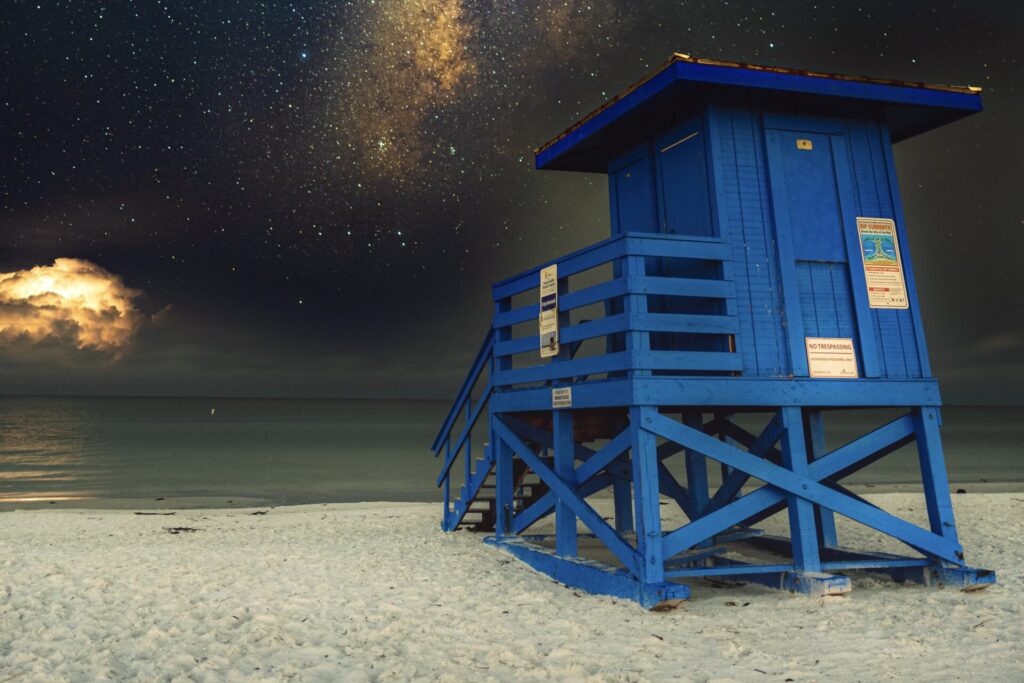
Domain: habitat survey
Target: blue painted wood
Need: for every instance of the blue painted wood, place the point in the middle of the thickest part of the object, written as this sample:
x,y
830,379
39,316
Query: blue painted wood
x,y
635,360
865,337
630,189
593,577
565,469
933,473
912,109
465,437
802,527
756,248
696,470
669,486
682,185
590,469
644,458
480,363
760,447
825,519
470,490
784,235
737,391
622,496
626,554
804,486
922,361
812,197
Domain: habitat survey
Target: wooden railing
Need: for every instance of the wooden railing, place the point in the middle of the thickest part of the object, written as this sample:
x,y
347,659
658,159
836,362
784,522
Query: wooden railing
x,y
666,307
471,410
661,304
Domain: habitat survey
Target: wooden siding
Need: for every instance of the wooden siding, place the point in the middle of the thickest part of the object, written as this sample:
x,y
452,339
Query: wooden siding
x,y
745,220
895,336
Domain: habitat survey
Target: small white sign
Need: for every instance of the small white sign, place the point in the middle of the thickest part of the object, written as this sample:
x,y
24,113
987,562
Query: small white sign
x,y
831,357
883,269
561,397
549,311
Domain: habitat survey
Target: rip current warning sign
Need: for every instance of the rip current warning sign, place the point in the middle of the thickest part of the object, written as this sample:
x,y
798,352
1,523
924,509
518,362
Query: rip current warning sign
x,y
883,269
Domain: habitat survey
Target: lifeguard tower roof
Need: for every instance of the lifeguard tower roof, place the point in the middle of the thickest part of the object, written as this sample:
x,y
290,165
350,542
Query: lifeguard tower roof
x,y
908,108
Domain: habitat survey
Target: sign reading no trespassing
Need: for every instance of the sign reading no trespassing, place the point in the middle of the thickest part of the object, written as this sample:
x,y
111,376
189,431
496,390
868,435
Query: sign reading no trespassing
x,y
549,311
831,357
883,269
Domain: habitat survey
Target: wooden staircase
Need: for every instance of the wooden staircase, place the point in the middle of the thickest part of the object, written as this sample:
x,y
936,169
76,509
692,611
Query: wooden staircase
x,y
478,510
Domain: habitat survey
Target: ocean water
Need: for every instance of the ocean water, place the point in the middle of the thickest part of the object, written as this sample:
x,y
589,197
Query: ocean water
x,y
182,452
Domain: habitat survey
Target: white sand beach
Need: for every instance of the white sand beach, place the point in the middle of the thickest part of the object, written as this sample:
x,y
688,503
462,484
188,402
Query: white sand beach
x,y
376,592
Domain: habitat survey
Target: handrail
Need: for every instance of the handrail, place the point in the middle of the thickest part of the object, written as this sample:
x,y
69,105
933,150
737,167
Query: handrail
x,y
667,304
479,363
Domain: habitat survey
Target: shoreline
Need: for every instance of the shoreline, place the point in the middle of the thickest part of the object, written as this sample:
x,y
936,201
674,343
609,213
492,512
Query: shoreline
x,y
170,502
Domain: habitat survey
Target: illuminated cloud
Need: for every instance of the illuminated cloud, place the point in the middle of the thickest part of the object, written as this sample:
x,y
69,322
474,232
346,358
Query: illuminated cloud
x,y
72,302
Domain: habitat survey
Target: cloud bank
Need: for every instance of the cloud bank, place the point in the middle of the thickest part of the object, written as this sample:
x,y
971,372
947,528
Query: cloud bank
x,y
73,302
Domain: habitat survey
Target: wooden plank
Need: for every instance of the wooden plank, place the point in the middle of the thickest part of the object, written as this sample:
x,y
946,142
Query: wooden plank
x,y
784,242
621,361
681,286
643,457
678,246
682,322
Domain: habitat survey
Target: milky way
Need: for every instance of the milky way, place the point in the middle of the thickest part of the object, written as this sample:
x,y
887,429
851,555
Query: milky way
x,y
336,173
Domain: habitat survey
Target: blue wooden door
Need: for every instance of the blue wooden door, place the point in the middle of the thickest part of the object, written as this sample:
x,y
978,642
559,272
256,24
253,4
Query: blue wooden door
x,y
813,211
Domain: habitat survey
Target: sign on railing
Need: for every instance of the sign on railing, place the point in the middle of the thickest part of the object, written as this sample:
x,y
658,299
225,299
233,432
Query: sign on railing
x,y
549,311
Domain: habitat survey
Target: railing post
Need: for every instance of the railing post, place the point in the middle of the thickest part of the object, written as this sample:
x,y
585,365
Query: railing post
x,y
469,442
636,342
503,494
447,485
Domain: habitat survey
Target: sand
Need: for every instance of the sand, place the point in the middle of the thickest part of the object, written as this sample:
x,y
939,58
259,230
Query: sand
x,y
375,592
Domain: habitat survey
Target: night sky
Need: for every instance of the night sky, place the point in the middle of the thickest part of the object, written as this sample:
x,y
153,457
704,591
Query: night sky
x,y
311,199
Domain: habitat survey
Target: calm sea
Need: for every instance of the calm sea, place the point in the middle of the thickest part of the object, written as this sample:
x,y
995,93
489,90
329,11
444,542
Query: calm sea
x,y
181,452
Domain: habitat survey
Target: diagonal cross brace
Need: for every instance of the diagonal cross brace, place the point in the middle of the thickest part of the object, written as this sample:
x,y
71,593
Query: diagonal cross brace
x,y
851,458
782,481
626,554
737,478
546,503
589,469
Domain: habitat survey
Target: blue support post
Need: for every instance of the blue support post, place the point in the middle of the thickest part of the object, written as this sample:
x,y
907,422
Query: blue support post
x,y
802,528
565,460
623,505
933,473
825,518
696,469
648,509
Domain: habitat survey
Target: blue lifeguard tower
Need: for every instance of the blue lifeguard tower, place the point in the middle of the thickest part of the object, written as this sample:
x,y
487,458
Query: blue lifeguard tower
x,y
758,266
